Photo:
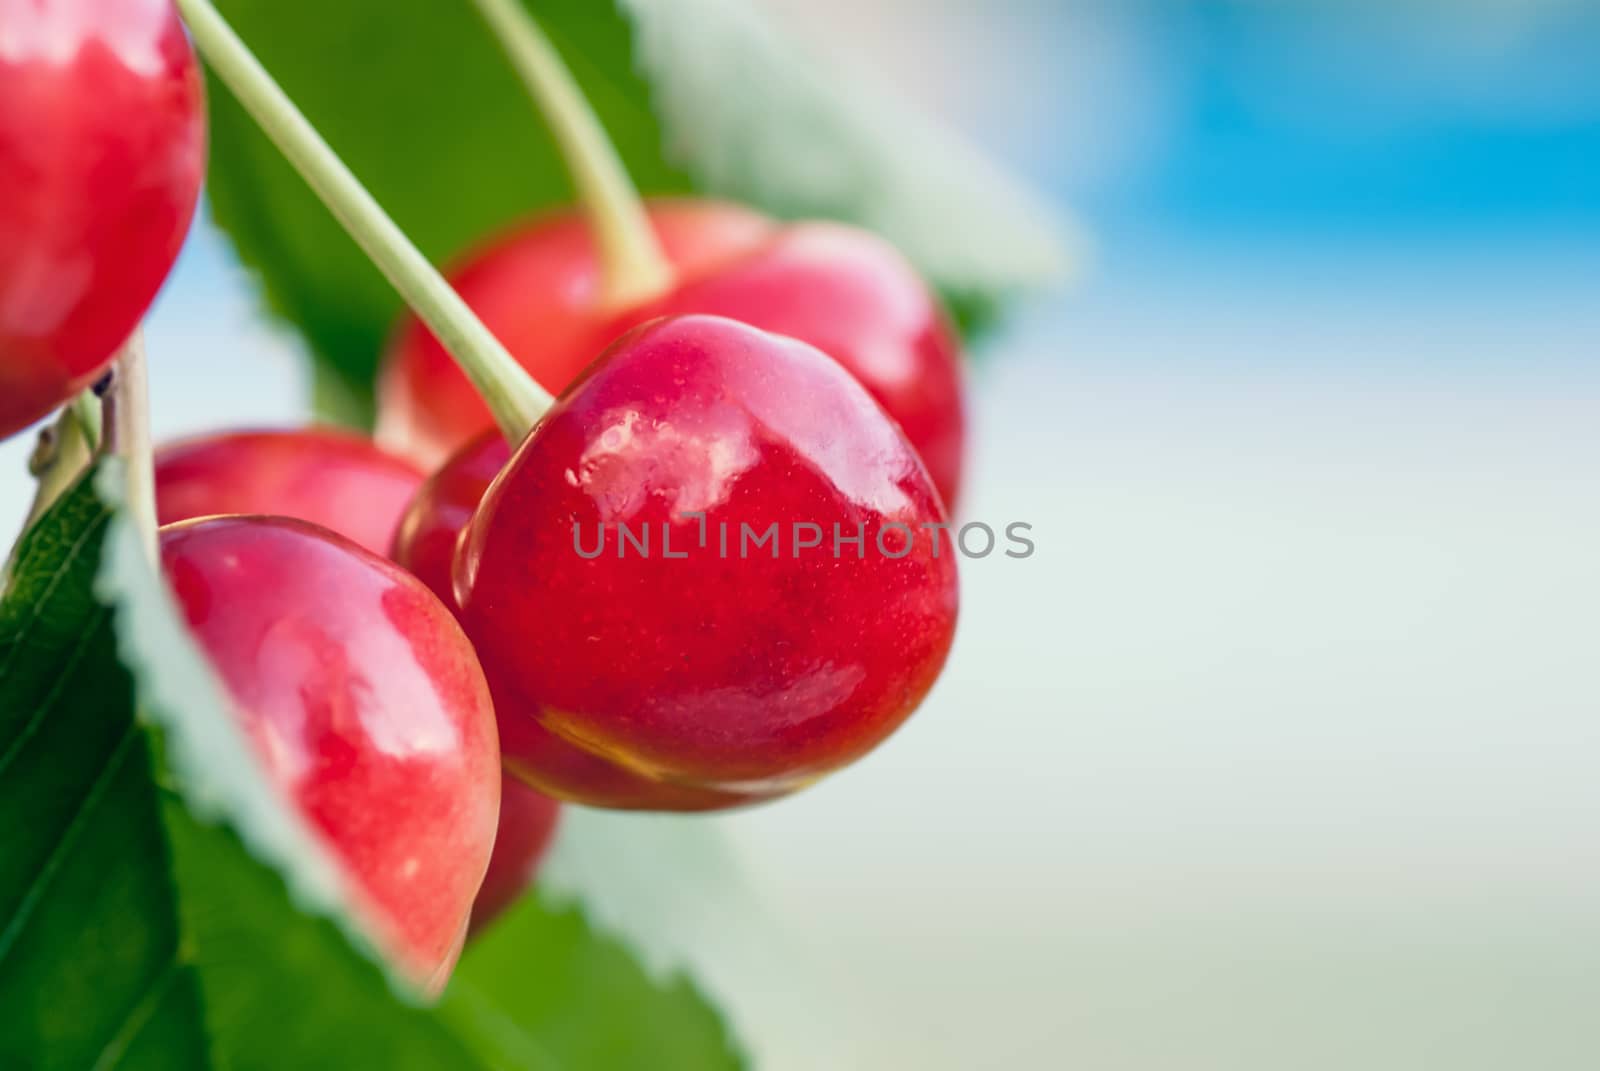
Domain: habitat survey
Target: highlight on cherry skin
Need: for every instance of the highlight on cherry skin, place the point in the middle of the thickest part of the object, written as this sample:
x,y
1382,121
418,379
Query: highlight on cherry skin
x,y
843,290
102,149
337,479
740,675
367,707
425,545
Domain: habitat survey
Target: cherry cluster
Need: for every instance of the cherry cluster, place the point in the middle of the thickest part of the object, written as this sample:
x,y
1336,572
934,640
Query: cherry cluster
x,y
419,657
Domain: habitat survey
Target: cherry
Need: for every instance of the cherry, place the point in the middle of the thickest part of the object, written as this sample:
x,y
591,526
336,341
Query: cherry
x,y
425,545
102,147
365,703
731,674
349,485
527,826
425,542
841,289
333,478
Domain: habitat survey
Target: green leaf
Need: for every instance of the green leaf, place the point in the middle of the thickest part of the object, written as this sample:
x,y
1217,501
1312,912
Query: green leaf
x,y
678,891
544,969
89,963
202,925
420,102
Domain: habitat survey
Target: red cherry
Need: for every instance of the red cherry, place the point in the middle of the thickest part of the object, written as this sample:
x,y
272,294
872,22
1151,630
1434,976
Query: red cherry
x,y
739,675
425,545
102,147
527,826
333,478
841,289
365,703
349,485
425,542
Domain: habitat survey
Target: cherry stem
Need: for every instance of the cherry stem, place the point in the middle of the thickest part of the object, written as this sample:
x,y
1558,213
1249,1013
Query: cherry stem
x,y
126,417
513,396
634,268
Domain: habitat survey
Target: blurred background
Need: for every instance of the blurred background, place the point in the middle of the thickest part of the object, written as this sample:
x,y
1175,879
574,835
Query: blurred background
x,y
1281,752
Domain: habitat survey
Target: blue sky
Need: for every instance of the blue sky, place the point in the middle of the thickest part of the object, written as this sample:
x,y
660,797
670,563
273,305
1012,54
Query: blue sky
x,y
1412,121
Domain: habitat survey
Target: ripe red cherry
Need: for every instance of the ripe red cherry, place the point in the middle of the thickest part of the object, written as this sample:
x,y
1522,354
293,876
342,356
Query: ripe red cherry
x,y
841,289
102,146
349,485
425,545
527,826
365,703
739,675
425,542
333,478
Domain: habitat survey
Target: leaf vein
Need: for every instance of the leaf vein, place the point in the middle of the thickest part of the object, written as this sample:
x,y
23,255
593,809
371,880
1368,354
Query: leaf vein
x,y
36,719
57,574
58,855
138,1016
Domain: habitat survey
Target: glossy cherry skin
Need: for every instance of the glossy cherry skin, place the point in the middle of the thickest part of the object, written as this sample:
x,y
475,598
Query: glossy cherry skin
x,y
843,290
333,478
742,675
528,822
425,545
102,148
366,705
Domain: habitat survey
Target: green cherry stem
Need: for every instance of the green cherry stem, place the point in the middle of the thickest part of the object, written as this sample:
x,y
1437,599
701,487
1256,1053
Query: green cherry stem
x,y
634,269
126,418
516,400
